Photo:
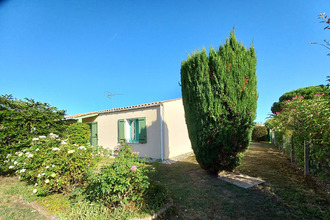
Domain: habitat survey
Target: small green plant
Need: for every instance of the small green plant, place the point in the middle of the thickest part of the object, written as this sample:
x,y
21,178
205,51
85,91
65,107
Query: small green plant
x,y
122,182
78,133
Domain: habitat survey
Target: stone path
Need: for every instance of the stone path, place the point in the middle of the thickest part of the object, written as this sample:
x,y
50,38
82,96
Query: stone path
x,y
240,180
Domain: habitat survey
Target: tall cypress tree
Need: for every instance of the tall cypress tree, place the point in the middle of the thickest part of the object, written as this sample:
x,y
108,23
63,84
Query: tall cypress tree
x,y
219,95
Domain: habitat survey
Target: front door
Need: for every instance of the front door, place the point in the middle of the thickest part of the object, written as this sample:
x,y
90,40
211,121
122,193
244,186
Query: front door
x,y
94,138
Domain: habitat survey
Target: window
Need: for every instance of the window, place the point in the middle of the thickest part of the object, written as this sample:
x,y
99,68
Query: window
x,y
132,130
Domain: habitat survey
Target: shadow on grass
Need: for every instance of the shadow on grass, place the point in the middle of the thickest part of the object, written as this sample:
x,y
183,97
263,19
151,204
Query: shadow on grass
x,y
285,195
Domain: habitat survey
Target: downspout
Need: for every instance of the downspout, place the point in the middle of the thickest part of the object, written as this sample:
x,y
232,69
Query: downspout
x,y
161,131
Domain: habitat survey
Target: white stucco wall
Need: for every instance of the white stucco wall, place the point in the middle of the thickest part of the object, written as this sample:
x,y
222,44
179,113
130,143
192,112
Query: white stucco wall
x,y
175,134
108,130
176,139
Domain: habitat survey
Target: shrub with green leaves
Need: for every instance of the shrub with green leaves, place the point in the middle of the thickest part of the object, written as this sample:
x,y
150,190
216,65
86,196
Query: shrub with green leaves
x,y
306,120
121,183
20,121
219,95
53,165
78,133
307,93
260,133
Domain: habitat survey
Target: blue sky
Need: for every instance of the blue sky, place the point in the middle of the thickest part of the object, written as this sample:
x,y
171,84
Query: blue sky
x,y
71,53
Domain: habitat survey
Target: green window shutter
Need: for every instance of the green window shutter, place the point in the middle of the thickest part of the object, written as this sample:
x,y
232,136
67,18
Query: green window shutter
x,y
121,130
142,130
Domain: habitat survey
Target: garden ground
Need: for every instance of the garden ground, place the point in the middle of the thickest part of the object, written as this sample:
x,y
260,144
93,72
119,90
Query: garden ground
x,y
286,194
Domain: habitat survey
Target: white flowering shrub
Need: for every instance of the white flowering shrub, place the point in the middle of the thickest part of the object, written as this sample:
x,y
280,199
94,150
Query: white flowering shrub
x,y
53,165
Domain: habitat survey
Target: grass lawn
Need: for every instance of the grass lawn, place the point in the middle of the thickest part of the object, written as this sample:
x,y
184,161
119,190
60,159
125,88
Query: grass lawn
x,y
11,205
286,194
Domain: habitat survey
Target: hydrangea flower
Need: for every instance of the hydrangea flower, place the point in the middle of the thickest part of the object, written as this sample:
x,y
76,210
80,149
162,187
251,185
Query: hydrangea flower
x,y
29,155
71,151
82,148
53,135
35,139
55,149
22,170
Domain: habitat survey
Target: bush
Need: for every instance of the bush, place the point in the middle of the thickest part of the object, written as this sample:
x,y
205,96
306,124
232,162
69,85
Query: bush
x,y
219,95
122,183
20,121
78,133
260,133
307,93
53,165
306,120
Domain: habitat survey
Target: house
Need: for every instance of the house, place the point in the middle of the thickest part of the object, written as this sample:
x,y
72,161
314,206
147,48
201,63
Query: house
x,y
157,130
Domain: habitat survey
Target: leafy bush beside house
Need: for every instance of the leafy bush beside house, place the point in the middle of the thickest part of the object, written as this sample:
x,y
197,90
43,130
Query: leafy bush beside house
x,y
125,183
52,165
78,133
20,121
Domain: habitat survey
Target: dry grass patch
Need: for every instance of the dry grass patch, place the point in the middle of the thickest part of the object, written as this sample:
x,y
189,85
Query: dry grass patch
x,y
284,195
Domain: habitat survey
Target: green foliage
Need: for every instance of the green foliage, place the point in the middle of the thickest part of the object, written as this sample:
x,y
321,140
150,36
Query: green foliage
x,y
260,133
156,195
78,133
307,93
219,94
306,119
20,121
52,165
122,182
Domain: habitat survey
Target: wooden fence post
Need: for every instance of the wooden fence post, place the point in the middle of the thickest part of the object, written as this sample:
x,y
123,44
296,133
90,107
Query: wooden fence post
x,y
306,157
292,150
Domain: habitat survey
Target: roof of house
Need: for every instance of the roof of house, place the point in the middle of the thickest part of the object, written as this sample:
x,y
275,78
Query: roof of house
x,y
151,104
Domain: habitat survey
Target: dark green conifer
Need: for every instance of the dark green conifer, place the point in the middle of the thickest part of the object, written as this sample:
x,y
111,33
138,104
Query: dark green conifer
x,y
219,94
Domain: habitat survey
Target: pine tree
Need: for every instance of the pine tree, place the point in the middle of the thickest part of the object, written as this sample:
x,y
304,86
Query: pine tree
x,y
219,94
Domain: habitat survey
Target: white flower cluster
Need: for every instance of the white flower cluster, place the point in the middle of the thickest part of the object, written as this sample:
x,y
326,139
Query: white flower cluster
x,y
28,155
71,151
51,135
82,148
